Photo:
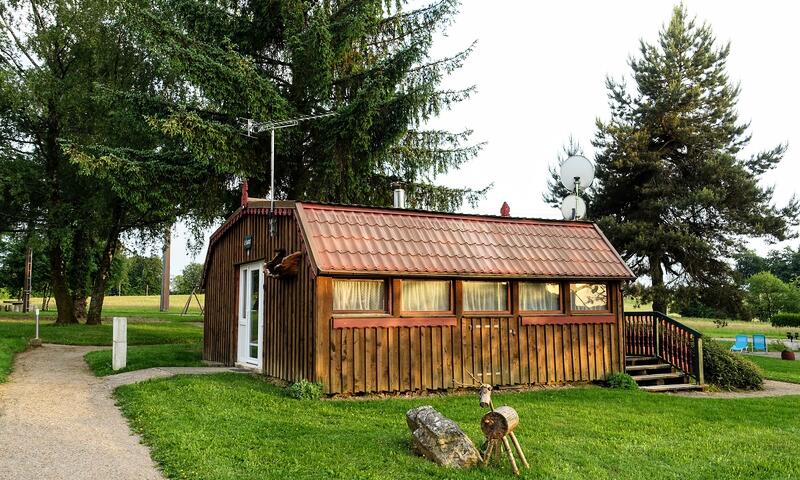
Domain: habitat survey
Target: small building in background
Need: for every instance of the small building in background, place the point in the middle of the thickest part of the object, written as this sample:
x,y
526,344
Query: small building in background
x,y
368,299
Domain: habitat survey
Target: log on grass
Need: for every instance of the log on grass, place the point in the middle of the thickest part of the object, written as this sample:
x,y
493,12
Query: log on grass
x,y
500,422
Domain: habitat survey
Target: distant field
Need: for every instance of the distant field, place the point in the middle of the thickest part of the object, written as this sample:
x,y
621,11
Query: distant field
x,y
139,306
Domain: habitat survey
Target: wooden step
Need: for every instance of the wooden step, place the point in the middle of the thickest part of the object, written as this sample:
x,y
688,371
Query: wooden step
x,y
641,360
651,366
671,388
657,376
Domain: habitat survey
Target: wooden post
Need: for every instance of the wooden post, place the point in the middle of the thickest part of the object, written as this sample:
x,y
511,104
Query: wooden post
x,y
164,303
26,280
656,339
698,351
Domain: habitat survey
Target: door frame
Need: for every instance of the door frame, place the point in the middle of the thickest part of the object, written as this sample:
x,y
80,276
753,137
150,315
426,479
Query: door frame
x,y
244,318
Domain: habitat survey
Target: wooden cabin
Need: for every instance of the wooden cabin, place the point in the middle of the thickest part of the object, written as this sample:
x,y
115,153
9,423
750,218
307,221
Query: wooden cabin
x,y
368,299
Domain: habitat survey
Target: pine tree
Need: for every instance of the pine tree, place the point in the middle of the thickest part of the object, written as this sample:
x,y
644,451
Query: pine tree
x,y
268,60
674,193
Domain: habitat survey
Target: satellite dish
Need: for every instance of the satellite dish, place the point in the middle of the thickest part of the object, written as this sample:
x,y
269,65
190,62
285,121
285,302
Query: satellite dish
x,y
573,208
577,167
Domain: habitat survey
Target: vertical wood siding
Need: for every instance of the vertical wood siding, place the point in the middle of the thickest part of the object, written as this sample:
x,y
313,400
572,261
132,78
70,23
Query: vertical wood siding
x,y
288,348
498,350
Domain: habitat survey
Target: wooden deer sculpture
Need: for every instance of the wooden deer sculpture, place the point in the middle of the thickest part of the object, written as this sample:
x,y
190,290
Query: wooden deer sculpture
x,y
497,426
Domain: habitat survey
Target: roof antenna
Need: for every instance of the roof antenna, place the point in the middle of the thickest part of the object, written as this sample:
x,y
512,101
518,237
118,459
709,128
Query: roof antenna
x,y
254,127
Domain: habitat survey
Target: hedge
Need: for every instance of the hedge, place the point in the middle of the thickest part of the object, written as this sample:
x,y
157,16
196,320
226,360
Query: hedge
x,y
729,371
786,320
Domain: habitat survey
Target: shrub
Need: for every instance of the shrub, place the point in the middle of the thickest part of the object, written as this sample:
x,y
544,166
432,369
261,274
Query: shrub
x,y
786,320
622,381
720,323
305,390
729,371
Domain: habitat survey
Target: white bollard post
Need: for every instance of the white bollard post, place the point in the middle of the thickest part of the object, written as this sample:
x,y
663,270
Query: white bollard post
x,y
119,349
36,342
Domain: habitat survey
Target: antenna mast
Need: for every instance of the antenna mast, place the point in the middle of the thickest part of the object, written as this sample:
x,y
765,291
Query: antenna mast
x,y
254,128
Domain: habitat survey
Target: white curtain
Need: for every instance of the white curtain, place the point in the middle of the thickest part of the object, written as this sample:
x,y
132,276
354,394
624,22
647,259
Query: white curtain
x,y
354,295
485,296
539,296
426,295
588,296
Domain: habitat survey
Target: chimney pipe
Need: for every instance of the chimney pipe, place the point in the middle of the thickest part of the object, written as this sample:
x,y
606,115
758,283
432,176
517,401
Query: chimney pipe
x,y
245,194
399,198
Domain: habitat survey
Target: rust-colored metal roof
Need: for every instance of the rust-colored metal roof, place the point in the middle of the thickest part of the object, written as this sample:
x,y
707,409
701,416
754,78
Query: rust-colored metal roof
x,y
364,240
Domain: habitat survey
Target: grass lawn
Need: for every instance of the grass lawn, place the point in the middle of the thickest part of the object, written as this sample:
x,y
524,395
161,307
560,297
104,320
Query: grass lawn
x,y
233,426
777,369
9,346
706,327
138,333
142,306
148,356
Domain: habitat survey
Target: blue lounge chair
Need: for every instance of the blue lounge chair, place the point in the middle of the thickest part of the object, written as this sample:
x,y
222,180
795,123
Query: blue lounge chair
x,y
741,344
759,343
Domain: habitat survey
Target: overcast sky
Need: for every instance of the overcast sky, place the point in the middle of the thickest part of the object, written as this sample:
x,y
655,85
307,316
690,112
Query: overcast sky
x,y
540,69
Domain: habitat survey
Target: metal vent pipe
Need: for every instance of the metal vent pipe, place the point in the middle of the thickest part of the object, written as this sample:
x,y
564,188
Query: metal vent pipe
x,y
399,198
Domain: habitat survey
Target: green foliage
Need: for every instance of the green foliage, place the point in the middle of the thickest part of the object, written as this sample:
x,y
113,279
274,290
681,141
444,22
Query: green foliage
x,y
185,283
719,301
621,381
144,276
729,371
767,295
305,390
675,194
195,427
786,319
370,62
784,264
148,356
12,262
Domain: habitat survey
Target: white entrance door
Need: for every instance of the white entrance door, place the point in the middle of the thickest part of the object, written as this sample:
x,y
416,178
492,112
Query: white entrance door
x,y
251,314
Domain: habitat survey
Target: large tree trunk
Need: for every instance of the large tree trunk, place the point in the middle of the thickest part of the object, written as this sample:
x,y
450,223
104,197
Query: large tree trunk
x,y
660,294
58,270
103,271
58,278
79,272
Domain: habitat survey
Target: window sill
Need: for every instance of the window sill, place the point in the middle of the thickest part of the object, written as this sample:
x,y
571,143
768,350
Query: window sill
x,y
582,319
387,321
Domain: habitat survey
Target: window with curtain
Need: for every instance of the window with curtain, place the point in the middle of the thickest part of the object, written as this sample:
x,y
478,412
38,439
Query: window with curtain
x,y
539,297
485,296
426,296
589,296
359,295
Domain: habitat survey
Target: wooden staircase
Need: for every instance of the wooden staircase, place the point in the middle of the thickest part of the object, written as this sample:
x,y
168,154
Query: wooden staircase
x,y
662,354
654,375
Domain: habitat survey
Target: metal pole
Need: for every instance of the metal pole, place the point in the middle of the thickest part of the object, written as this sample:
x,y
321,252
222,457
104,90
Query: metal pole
x,y
37,323
272,222
272,170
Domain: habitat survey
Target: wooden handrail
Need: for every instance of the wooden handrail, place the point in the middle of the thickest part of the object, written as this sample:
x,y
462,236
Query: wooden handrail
x,y
655,334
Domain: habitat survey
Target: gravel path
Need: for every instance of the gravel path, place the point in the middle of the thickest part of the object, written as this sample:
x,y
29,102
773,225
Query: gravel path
x,y
58,421
772,388
136,376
